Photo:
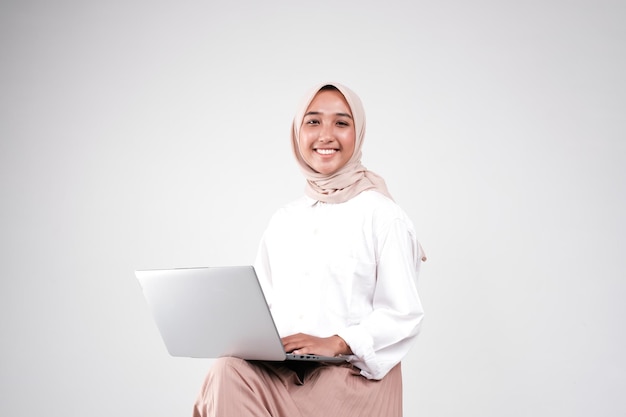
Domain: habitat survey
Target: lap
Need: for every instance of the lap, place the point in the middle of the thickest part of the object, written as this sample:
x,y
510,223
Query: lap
x,y
302,389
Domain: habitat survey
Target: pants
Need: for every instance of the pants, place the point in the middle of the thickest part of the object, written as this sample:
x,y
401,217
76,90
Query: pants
x,y
238,388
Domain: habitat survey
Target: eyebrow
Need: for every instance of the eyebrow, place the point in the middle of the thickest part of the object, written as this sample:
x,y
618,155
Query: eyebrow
x,y
319,112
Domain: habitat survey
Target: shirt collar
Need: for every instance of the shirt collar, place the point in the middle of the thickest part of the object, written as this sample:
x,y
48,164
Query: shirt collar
x,y
310,202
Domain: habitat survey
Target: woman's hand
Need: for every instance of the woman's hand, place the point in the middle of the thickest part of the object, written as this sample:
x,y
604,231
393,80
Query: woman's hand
x,y
303,344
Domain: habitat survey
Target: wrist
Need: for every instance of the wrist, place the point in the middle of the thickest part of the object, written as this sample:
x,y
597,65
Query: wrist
x,y
342,346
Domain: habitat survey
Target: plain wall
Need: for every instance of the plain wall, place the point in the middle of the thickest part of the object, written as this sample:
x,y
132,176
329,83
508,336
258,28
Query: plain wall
x,y
145,134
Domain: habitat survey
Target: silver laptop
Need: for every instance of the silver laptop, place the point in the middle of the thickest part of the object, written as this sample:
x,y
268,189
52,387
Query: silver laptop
x,y
214,312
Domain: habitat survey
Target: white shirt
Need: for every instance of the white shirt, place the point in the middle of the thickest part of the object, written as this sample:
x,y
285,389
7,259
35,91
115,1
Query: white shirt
x,y
347,269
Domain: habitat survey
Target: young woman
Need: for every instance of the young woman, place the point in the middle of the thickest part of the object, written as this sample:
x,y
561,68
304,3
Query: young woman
x,y
338,268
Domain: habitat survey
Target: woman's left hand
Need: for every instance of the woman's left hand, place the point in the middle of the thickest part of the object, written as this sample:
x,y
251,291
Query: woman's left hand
x,y
303,344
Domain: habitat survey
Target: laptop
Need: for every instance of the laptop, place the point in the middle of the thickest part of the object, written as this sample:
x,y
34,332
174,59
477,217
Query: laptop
x,y
214,312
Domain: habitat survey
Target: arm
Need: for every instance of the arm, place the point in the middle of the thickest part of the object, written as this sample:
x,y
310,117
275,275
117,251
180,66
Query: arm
x,y
383,337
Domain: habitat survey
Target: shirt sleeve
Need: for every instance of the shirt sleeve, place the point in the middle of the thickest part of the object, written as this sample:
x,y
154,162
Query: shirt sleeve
x,y
383,337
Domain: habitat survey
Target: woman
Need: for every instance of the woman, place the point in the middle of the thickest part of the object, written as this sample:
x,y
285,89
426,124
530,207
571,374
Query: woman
x,y
338,268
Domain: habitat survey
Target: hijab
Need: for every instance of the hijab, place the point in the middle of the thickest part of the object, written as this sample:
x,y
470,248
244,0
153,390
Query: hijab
x,y
352,178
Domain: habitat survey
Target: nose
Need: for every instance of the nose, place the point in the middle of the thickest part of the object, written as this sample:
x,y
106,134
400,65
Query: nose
x,y
326,134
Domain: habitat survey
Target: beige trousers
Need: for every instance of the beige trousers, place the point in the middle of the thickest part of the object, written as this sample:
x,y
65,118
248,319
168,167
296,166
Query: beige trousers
x,y
238,388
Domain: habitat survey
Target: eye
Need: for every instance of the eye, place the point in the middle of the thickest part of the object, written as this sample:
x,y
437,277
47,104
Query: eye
x,y
343,123
312,122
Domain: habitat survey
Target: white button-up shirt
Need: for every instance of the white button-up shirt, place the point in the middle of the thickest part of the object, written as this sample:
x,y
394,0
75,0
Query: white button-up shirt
x,y
346,269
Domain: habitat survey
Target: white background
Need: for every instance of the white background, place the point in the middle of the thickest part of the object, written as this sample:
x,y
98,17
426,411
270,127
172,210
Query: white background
x,y
144,134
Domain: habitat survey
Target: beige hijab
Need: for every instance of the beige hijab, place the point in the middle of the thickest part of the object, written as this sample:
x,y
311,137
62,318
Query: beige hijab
x,y
352,178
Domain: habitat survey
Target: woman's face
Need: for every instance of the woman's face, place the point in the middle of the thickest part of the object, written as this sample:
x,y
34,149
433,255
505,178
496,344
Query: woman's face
x,y
327,135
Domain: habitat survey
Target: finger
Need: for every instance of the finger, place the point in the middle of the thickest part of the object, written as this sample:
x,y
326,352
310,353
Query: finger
x,y
292,346
294,338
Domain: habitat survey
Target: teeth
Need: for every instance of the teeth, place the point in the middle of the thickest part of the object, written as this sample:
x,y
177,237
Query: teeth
x,y
326,151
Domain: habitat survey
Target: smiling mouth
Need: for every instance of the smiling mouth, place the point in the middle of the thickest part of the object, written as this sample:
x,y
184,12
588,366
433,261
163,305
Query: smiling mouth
x,y
326,151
